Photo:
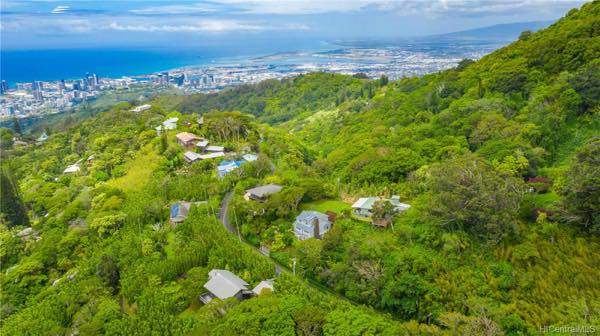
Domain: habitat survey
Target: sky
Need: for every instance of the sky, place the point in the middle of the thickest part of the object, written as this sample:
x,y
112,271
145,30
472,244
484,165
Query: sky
x,y
50,24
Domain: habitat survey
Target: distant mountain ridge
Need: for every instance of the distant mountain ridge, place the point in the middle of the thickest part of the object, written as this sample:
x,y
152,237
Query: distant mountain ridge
x,y
505,30
495,34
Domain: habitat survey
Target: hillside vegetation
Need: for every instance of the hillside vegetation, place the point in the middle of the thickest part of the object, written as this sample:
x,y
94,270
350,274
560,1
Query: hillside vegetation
x,y
498,158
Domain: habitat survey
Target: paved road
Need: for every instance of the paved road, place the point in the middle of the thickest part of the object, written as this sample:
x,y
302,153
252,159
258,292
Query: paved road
x,y
223,213
279,268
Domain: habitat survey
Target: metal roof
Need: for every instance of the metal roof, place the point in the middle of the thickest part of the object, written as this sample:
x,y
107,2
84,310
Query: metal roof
x,y
365,203
265,190
187,137
308,214
224,284
262,285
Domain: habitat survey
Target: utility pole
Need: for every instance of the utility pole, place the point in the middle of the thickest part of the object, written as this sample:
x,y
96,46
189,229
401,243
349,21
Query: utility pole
x,y
294,266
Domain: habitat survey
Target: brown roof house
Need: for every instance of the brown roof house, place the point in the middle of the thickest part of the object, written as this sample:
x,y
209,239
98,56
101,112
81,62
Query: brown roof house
x,y
187,139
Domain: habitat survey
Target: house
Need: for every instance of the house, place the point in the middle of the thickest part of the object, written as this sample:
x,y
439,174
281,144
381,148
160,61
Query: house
x,y
141,108
187,139
74,168
169,124
311,224
190,157
227,166
265,284
211,155
202,144
364,206
261,193
179,212
399,207
223,284
250,157
214,148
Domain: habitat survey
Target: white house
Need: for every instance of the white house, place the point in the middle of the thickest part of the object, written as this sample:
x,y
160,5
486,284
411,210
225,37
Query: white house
x,y
311,224
169,124
141,108
364,206
74,168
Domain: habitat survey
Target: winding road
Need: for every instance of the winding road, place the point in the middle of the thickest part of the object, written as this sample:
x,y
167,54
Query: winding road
x,y
279,268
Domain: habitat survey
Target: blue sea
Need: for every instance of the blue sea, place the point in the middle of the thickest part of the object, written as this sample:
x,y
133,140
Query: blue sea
x,y
18,66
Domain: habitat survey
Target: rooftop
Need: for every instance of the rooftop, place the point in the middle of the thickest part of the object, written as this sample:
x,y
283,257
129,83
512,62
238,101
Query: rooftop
x,y
309,214
265,190
365,202
224,284
187,137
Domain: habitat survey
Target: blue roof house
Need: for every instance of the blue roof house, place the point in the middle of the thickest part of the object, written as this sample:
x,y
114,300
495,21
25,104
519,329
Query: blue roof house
x,y
227,166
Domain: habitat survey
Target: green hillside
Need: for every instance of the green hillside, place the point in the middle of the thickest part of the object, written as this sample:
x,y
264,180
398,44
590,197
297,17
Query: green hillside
x,y
499,160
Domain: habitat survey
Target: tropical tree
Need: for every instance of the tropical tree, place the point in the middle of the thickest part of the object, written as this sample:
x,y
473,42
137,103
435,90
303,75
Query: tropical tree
x,y
469,194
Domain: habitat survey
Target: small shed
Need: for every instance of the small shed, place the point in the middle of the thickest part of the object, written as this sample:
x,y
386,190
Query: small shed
x,y
265,284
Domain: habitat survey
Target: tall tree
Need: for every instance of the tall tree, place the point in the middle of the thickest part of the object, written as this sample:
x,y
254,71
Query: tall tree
x,y
582,192
17,125
469,194
12,208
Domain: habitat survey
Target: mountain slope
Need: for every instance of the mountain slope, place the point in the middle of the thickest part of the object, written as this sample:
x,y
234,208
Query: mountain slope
x,y
498,159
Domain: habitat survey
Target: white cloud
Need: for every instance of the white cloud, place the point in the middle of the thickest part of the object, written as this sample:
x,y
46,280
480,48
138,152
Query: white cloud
x,y
294,7
206,26
174,10
402,7
202,26
60,9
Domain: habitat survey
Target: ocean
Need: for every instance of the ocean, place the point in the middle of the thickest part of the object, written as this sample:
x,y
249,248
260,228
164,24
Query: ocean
x,y
19,66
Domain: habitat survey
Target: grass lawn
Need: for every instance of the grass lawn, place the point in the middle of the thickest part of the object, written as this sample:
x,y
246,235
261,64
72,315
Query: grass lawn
x,y
170,242
326,205
139,170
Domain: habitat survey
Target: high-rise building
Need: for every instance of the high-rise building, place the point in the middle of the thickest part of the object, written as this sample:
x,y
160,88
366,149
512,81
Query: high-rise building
x,y
178,80
62,87
37,86
37,94
3,87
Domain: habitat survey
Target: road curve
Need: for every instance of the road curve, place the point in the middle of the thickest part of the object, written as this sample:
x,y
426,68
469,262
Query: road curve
x,y
279,268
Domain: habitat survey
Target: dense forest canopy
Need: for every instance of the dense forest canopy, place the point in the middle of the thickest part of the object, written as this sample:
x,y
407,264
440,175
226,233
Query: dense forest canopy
x,y
499,160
